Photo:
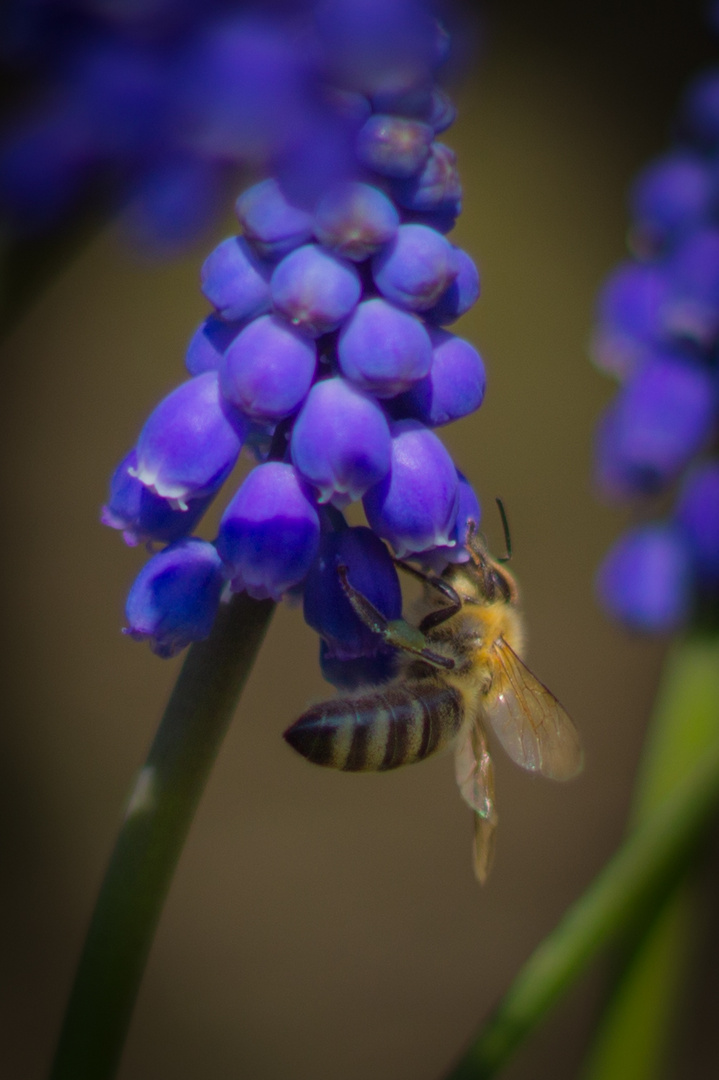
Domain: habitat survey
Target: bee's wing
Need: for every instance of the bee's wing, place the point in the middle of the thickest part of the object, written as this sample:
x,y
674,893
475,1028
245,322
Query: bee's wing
x,y
528,720
475,777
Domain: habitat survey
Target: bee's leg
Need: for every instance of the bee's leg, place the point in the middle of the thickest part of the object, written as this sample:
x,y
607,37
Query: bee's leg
x,y
434,618
396,632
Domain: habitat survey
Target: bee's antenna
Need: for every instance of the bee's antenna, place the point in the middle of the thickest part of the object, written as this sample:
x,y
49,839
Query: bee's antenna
x,y
507,537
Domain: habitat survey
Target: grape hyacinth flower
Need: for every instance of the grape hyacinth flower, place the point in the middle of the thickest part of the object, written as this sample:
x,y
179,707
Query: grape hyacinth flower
x,y
326,355
658,333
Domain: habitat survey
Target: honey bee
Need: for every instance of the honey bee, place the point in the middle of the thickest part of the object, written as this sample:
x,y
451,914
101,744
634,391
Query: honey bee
x,y
460,673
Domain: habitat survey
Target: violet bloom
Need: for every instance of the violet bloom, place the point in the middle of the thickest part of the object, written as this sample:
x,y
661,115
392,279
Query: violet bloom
x,y
144,517
645,579
269,532
175,597
658,332
340,441
324,381
383,349
415,506
190,442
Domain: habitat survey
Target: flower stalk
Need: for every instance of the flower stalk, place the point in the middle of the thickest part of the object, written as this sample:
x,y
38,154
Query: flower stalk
x,y
637,881
157,819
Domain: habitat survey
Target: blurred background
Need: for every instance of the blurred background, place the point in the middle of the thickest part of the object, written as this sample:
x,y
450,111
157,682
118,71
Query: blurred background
x,y
324,925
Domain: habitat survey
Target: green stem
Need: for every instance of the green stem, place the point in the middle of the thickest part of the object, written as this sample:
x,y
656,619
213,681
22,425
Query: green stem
x,y
637,1029
159,814
635,881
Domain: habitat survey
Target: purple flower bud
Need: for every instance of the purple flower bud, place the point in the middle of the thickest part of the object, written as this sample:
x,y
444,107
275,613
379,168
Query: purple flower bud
x,y
359,672
630,311
269,533
383,349
692,308
377,46
270,221
235,280
453,388
645,579
370,570
340,441
659,420
393,145
144,516
175,597
268,369
670,197
415,268
190,442
461,294
314,289
355,220
697,514
435,187
208,344
469,514
415,506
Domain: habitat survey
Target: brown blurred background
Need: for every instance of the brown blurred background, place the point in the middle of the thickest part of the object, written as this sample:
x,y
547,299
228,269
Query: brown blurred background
x,y
323,925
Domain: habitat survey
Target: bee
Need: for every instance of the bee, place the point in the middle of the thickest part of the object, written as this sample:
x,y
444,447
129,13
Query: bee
x,y
460,674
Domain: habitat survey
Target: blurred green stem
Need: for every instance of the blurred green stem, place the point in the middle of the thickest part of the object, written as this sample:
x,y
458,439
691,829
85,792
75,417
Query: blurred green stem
x,y
158,817
636,1032
681,793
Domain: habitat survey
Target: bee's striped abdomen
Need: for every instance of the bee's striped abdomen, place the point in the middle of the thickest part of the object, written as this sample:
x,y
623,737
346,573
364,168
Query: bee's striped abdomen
x,y
378,731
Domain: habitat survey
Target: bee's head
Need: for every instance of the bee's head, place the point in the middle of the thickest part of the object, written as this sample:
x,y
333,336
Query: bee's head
x,y
494,581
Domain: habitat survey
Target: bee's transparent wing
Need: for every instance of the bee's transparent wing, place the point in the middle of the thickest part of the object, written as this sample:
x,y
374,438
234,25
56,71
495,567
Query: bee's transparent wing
x,y
528,720
475,777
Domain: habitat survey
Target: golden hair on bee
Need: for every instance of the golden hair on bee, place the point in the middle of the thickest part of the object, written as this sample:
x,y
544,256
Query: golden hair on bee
x,y
459,674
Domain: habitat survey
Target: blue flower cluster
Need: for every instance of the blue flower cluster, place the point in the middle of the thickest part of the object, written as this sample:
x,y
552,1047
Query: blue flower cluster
x,y
658,333
326,355
157,104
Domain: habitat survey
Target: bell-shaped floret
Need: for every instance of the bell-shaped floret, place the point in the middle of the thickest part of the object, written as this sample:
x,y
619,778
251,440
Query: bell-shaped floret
x,y
436,187
314,289
370,570
394,145
655,425
691,310
377,46
340,441
697,514
190,442
469,515
630,315
273,224
355,220
415,268
143,516
175,597
269,533
670,197
461,294
415,506
208,344
383,349
453,388
362,671
645,580
268,368
235,280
